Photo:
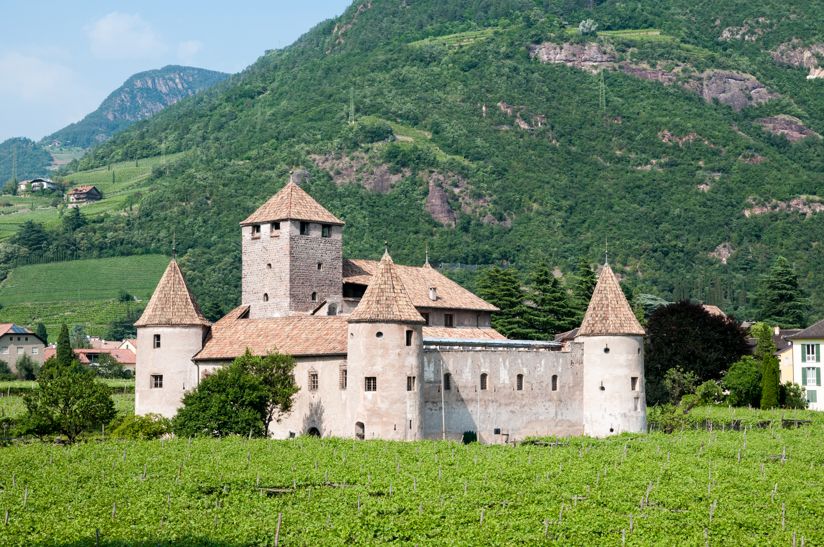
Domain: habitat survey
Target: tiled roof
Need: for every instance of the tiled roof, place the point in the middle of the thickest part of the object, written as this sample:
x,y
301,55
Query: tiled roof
x,y
82,189
463,333
713,310
11,328
417,281
297,335
291,203
386,299
816,330
172,304
609,312
122,356
566,336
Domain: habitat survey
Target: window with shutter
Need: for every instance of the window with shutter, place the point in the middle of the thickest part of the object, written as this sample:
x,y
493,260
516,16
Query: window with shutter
x,y
803,376
812,396
817,353
810,376
818,376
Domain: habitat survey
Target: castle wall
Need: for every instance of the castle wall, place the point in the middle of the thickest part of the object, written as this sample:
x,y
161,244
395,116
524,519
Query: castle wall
x,y
537,409
172,360
613,402
316,266
266,270
460,318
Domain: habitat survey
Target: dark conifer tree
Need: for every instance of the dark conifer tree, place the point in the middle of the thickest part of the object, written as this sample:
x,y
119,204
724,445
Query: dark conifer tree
x,y
552,310
64,354
42,333
779,297
502,287
585,282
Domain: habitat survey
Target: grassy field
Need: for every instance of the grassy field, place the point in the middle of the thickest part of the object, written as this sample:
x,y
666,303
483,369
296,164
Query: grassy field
x,y
754,487
79,292
117,182
11,400
457,40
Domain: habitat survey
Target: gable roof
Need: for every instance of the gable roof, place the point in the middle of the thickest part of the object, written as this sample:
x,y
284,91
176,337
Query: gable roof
x,y
386,299
291,203
171,303
296,335
83,189
608,312
11,328
417,281
816,330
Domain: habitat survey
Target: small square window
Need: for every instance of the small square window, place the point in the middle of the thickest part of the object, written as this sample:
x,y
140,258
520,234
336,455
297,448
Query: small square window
x,y
255,231
313,381
21,351
410,383
371,383
634,383
274,229
156,341
448,320
157,381
326,230
35,351
304,228
6,350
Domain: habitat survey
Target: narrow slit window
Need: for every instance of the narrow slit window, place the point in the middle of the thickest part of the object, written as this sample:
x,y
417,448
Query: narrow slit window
x,y
484,381
447,382
343,379
410,383
156,341
409,338
313,380
314,297
519,382
554,382
265,297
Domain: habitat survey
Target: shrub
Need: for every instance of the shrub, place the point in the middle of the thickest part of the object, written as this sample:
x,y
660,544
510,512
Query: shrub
x,y
791,395
150,426
743,381
27,369
5,372
679,383
710,393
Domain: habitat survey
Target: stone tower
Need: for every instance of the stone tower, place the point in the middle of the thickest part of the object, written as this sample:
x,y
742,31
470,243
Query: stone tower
x,y
292,256
385,360
169,333
613,371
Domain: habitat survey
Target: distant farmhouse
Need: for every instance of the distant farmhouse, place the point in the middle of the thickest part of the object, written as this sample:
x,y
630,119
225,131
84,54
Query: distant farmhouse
x,y
125,352
36,185
84,194
385,351
17,341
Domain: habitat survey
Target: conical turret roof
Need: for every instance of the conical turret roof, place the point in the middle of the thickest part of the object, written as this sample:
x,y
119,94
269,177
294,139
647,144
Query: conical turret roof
x,y
609,312
292,203
171,303
386,299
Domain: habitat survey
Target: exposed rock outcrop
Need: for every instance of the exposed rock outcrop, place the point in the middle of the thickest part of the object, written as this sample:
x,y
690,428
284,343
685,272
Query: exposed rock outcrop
x,y
437,202
737,90
806,205
793,53
789,127
668,137
356,168
723,252
590,56
750,31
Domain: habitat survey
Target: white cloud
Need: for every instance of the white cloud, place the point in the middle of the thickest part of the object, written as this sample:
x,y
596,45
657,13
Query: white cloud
x,y
31,78
123,36
186,51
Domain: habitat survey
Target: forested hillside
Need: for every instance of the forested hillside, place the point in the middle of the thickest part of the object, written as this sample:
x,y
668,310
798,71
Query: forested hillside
x,y
24,158
686,134
141,96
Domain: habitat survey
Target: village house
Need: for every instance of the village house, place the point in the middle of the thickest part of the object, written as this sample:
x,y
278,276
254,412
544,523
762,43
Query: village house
x,y
17,341
36,185
806,359
119,351
385,351
84,194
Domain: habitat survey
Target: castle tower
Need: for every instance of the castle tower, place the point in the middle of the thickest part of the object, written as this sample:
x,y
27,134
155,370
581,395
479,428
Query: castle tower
x,y
169,333
385,360
613,371
292,256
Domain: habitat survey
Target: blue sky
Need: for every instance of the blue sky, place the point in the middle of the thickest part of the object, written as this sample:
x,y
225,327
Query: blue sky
x,y
60,59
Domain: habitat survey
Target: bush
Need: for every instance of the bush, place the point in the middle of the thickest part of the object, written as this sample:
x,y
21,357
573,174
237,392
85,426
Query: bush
x,y
710,393
27,369
6,375
150,426
679,383
791,395
743,381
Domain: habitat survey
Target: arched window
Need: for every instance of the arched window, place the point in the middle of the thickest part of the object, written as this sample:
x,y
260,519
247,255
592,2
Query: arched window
x,y
314,297
265,297
554,382
484,378
519,382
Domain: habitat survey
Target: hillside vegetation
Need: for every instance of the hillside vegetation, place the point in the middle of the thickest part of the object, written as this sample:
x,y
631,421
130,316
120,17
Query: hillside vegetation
x,y
686,134
80,292
24,157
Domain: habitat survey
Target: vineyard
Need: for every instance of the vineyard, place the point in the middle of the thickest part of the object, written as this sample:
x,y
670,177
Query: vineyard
x,y
747,487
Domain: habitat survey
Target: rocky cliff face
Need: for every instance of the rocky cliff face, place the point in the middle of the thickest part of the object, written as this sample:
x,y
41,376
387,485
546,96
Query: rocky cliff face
x,y
140,97
795,54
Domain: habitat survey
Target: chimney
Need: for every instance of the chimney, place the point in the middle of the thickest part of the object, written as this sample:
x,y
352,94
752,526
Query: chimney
x,y
433,294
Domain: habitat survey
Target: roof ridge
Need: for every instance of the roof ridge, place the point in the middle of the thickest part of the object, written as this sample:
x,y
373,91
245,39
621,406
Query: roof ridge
x,y
172,303
291,203
386,299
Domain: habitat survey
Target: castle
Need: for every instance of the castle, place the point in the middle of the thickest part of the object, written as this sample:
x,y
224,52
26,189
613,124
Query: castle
x,y
385,351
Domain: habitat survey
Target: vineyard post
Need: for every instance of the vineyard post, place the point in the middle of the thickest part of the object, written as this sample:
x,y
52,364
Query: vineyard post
x,y
97,537
546,527
277,530
623,537
783,525
25,496
6,520
482,518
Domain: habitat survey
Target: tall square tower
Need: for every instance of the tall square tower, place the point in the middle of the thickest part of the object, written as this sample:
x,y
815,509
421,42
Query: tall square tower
x,y
291,255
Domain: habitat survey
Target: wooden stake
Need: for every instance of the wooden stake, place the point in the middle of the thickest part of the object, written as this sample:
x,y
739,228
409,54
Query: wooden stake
x,y
482,517
97,537
546,527
623,537
26,496
114,510
358,503
783,527
6,520
277,530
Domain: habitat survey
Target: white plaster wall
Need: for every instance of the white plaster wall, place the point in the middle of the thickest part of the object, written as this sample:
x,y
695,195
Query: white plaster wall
x,y
616,408
536,410
173,359
14,346
390,412
798,365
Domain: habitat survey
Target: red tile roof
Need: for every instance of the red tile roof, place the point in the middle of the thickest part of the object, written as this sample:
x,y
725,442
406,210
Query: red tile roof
x,y
386,300
171,303
298,335
291,203
84,355
609,312
463,333
82,189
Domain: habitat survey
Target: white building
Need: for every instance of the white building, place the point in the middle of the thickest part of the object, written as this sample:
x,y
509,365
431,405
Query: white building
x,y
806,352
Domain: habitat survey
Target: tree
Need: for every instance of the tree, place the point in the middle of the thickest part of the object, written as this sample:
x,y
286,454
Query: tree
x,y
792,396
79,339
585,282
42,333
63,352
67,400
779,297
108,367
5,372
552,312
685,335
32,236
73,220
276,373
679,383
770,382
231,401
502,287
743,381
27,369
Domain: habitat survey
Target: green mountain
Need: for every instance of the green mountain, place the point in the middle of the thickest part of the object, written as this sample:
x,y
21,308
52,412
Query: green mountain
x,y
686,134
141,96
23,157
